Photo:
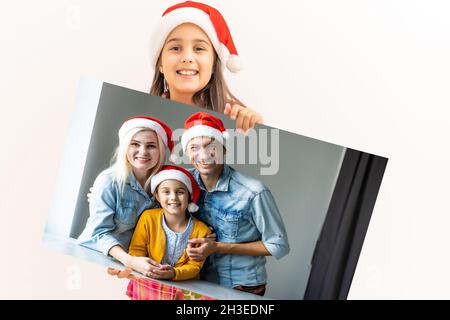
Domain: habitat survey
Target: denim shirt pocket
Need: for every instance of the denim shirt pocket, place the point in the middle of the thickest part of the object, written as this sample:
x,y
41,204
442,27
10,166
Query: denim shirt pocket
x,y
227,222
127,213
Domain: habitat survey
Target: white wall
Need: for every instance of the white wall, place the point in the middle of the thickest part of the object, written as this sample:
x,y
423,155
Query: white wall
x,y
371,75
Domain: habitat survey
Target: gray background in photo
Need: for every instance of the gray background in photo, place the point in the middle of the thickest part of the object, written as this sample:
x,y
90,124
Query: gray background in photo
x,y
302,187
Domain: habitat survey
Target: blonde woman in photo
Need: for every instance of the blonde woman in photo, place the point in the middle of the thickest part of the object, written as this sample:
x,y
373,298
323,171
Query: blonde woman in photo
x,y
122,192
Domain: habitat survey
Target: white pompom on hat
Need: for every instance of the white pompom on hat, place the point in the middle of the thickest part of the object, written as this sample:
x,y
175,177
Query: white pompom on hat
x,y
170,172
209,19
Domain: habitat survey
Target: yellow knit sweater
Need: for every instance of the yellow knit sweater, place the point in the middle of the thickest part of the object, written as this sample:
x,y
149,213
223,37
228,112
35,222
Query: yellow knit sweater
x,y
149,240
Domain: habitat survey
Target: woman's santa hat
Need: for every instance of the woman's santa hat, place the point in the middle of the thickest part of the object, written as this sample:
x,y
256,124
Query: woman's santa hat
x,y
202,124
207,18
182,175
161,129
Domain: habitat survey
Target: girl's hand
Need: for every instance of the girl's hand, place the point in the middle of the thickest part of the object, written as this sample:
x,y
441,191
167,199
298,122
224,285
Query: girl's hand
x,y
142,264
246,118
162,272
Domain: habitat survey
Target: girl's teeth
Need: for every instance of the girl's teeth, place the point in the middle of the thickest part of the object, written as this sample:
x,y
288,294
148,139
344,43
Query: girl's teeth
x,y
187,73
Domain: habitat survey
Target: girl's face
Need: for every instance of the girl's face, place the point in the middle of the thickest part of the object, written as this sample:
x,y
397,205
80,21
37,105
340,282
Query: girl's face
x,y
143,151
173,197
187,60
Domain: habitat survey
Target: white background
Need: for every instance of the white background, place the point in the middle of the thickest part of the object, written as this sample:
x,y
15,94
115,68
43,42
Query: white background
x,y
371,75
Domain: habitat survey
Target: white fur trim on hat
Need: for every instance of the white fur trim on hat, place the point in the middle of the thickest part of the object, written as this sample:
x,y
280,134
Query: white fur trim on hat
x,y
170,174
143,123
201,131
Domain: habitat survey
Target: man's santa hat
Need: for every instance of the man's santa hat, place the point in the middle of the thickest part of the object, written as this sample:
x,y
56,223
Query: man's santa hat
x,y
207,18
161,129
182,175
202,124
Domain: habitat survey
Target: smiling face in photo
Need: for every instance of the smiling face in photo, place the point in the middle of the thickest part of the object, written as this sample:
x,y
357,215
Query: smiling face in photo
x,y
187,60
173,196
206,155
143,151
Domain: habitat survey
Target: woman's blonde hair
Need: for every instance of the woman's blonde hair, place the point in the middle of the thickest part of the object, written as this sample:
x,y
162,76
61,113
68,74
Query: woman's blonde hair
x,y
213,96
122,166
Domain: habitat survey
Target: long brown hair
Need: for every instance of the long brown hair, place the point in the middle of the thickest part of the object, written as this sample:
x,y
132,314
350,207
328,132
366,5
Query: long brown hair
x,y
213,96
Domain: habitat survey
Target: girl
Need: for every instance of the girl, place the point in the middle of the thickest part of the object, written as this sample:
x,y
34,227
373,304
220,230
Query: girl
x,y
191,46
163,234
122,192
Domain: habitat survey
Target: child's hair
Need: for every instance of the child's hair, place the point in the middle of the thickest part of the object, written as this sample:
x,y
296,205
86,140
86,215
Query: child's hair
x,y
213,96
121,165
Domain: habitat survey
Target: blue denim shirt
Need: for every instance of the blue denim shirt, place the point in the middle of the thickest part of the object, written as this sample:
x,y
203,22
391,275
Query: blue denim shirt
x,y
113,215
241,209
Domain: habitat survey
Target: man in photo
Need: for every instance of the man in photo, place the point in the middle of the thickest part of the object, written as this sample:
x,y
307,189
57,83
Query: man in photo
x,y
240,209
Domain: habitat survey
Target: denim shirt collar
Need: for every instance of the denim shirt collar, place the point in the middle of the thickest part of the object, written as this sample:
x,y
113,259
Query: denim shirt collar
x,y
134,184
222,184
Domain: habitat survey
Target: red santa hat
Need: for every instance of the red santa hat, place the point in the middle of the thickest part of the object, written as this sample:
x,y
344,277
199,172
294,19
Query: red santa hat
x,y
170,172
202,124
207,18
161,129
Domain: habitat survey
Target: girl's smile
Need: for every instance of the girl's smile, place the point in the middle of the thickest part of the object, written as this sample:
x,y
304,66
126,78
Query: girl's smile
x,y
173,197
187,61
187,73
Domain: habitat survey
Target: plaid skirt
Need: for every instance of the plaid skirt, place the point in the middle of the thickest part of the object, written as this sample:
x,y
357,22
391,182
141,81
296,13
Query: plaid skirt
x,y
147,289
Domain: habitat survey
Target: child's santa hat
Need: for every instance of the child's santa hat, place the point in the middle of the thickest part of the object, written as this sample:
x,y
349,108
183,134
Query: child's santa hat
x,y
161,129
182,175
202,124
207,18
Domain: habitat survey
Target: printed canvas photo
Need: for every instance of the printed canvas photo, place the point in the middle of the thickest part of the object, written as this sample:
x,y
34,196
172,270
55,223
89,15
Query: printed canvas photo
x,y
188,207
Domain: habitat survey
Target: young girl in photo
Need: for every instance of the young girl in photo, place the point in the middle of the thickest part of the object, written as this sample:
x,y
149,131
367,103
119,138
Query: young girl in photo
x,y
191,47
122,192
162,234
